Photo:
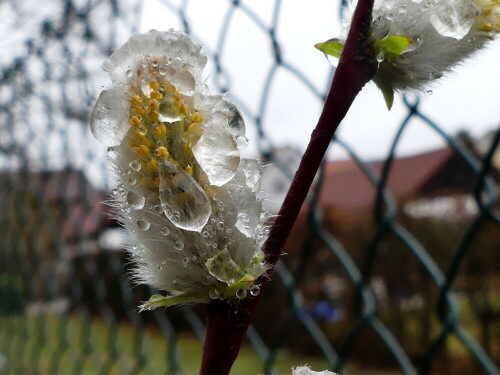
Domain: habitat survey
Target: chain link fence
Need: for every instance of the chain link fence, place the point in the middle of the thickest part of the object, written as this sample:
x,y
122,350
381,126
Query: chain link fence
x,y
389,287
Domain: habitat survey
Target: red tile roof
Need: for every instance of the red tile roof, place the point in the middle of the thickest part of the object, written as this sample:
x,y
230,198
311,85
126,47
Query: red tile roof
x,y
346,185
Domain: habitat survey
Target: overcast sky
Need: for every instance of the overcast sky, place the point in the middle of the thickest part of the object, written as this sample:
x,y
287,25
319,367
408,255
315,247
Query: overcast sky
x,y
468,99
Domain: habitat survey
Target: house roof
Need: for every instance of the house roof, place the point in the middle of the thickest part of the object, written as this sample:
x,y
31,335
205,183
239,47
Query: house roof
x,y
347,186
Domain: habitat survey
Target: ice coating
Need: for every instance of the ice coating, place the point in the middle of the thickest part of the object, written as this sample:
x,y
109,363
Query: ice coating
x,y
190,204
454,18
218,155
184,202
109,119
443,33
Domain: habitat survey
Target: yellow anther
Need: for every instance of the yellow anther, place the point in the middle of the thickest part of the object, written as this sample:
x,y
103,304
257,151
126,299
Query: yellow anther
x,y
187,149
162,152
141,130
157,181
139,110
153,104
135,121
160,130
487,27
152,165
136,100
193,128
189,170
154,85
153,115
142,150
196,117
171,89
145,181
145,140
156,95
183,108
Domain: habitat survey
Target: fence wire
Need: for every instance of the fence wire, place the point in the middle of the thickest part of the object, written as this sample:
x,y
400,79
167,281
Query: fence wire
x,y
67,304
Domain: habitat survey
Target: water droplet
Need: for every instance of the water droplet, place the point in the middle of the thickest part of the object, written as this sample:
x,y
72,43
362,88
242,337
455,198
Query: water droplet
x,y
255,291
145,88
179,245
111,153
163,71
454,18
163,262
241,293
403,9
109,118
142,130
429,92
154,63
143,224
220,225
135,200
132,181
193,258
213,294
167,110
157,209
218,155
389,16
184,81
205,234
380,57
135,165
165,231
129,73
114,191
158,267
334,61
185,203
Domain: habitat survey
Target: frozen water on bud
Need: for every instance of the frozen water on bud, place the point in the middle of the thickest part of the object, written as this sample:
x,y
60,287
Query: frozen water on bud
x,y
218,155
135,200
180,210
184,82
135,165
185,203
255,291
143,224
227,113
334,61
223,267
109,119
454,18
167,111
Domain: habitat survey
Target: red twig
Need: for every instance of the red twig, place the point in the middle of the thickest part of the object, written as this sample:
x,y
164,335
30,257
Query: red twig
x,y
227,324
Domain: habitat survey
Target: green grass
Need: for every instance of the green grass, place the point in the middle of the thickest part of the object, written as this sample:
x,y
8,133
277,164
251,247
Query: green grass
x,y
75,345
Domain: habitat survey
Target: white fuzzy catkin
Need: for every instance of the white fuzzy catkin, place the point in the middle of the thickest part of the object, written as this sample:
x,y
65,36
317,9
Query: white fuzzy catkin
x,y
189,202
304,370
442,34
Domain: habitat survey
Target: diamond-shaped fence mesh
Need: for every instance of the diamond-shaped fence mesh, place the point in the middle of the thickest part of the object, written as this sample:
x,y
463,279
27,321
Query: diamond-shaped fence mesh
x,y
392,266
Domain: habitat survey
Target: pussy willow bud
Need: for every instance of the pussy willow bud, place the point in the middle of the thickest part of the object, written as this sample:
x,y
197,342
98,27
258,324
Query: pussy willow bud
x,y
189,202
417,41
304,370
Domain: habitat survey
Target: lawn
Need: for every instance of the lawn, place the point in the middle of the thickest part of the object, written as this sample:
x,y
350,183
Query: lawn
x,y
75,345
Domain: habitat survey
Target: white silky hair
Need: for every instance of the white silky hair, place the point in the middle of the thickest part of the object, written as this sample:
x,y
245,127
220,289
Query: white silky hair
x,y
444,34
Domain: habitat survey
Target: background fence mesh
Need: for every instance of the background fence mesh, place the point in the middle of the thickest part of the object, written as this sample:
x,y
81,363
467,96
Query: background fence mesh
x,y
393,295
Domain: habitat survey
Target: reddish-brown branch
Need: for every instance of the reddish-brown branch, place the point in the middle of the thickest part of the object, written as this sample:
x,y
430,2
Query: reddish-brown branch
x,y
227,324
